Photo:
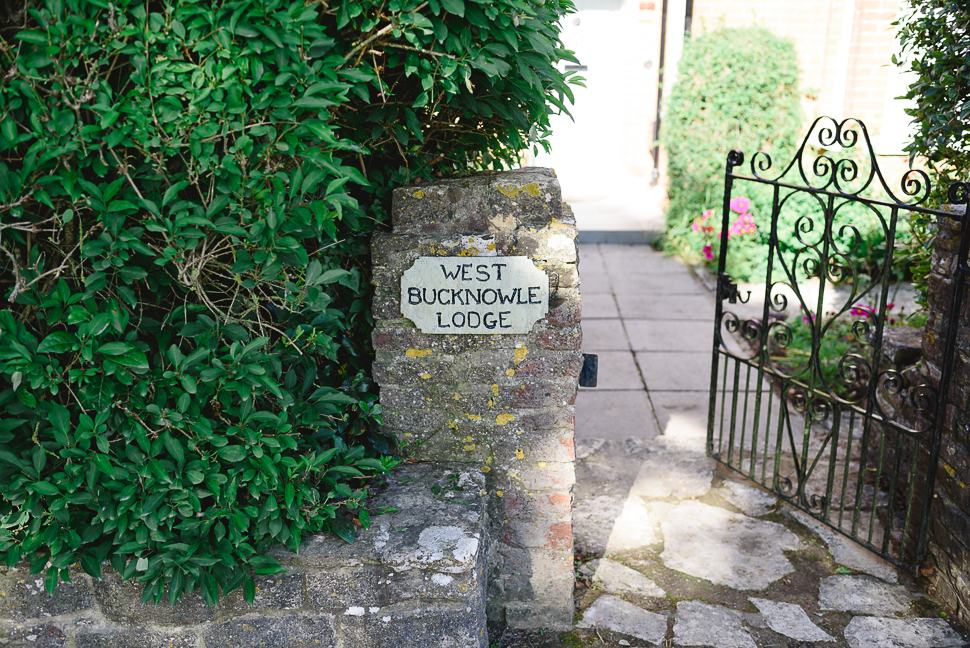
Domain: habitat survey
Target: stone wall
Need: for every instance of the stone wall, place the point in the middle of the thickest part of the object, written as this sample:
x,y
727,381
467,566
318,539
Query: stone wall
x,y
414,578
501,404
949,548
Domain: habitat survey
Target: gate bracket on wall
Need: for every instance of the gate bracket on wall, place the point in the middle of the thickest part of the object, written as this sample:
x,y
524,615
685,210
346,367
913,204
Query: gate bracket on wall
x,y
727,289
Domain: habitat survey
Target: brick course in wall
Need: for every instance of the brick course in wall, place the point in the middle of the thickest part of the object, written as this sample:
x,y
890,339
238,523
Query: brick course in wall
x,y
502,404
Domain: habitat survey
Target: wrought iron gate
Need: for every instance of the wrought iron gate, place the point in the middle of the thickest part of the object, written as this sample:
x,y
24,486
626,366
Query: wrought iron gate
x,y
831,429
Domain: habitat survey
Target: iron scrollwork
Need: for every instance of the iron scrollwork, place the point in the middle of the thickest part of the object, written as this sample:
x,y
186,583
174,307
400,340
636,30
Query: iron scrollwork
x,y
798,420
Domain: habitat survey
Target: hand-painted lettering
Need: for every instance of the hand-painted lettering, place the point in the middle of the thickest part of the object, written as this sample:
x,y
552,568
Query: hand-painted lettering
x,y
482,271
451,275
465,274
498,268
534,295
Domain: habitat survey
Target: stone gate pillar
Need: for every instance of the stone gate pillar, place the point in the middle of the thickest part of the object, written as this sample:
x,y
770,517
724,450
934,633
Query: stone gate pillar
x,y
478,338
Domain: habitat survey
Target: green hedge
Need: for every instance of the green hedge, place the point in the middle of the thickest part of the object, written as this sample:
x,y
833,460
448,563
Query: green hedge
x,y
186,194
735,89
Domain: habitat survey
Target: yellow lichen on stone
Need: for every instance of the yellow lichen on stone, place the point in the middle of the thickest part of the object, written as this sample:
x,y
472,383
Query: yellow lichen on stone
x,y
417,353
519,454
425,375
520,355
510,372
470,446
485,469
499,493
502,419
542,464
491,246
512,191
953,473
495,388
419,194
473,417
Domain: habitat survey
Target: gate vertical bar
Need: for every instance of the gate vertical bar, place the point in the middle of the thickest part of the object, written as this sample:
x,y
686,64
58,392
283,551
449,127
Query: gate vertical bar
x,y
734,158
958,194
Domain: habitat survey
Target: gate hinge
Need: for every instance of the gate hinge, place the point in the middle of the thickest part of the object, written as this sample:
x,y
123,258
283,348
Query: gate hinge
x,y
588,374
727,289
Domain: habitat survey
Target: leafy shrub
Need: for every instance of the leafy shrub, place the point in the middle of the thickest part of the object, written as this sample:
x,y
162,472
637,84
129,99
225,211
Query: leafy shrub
x,y
934,36
186,191
735,89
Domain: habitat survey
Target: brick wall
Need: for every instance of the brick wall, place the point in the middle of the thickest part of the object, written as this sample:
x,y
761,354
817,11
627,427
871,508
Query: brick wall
x,y
949,549
500,403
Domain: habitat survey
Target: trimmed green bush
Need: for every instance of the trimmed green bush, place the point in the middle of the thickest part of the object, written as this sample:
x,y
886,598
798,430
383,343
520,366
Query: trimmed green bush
x,y
186,194
735,89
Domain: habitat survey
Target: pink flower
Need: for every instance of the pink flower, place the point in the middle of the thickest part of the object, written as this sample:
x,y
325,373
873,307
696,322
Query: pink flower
x,y
740,204
707,214
862,311
889,307
709,252
696,226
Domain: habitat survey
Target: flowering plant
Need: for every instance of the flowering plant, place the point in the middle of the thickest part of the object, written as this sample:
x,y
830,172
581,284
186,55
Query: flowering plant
x,y
743,224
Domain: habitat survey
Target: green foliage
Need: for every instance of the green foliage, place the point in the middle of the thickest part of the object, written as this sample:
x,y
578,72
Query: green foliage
x,y
735,89
934,36
186,194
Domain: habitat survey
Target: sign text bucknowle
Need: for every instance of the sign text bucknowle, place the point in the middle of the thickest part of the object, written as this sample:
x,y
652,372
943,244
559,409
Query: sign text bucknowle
x,y
474,295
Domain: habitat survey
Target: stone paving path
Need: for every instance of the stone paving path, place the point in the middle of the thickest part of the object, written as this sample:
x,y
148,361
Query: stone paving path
x,y
691,554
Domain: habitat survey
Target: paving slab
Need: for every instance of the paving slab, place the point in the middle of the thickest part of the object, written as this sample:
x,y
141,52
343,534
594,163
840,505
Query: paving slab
x,y
611,613
682,413
700,624
726,548
617,370
674,474
641,258
875,632
864,595
598,306
637,526
616,578
848,553
601,335
790,620
752,501
637,281
593,521
665,307
675,371
670,335
614,415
